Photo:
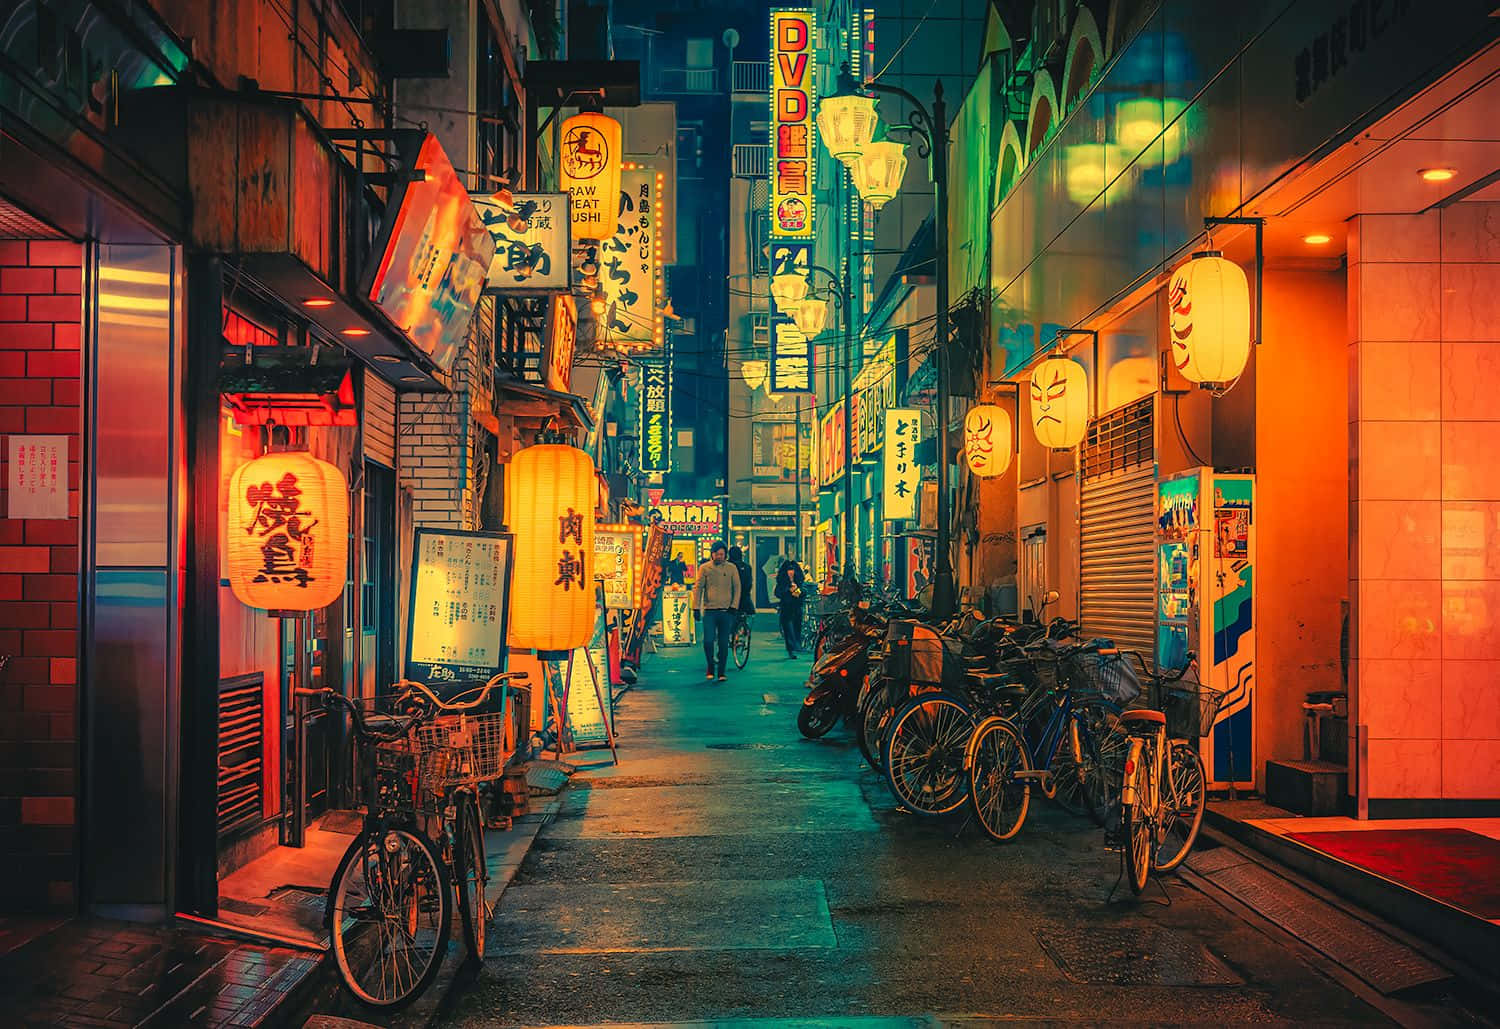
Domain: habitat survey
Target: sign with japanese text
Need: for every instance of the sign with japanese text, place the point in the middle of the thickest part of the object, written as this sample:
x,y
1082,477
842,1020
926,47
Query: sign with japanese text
x,y
874,394
630,266
562,341
589,168
657,540
38,483
831,445
791,352
460,602
533,241
616,553
793,131
286,533
677,618
903,476
656,416
691,517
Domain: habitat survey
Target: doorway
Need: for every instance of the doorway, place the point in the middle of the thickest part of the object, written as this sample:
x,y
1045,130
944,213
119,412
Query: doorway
x,y
770,550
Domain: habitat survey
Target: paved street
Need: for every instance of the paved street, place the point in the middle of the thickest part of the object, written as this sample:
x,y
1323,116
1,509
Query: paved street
x,y
731,870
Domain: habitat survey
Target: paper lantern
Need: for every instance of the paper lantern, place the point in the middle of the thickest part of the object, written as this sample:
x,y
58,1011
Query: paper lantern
x,y
590,172
553,511
287,537
987,440
1209,318
1059,403
846,124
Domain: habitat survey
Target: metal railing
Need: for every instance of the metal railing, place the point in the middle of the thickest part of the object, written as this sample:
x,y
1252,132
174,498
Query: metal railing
x,y
752,77
751,160
687,80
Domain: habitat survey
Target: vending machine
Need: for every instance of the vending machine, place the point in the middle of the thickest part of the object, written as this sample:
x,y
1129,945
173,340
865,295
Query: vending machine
x,y
1205,565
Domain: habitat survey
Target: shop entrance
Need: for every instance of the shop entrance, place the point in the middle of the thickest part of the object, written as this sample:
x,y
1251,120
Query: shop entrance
x,y
770,550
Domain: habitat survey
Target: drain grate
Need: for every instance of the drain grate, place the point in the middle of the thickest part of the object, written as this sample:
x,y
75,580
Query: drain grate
x,y
1133,957
1386,964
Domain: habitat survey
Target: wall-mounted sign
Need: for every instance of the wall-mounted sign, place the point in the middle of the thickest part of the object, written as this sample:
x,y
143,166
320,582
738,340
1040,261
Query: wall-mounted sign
x,y
792,361
630,265
617,562
590,172
903,476
460,600
677,618
533,241
874,394
37,486
562,341
831,445
435,253
656,416
691,517
793,132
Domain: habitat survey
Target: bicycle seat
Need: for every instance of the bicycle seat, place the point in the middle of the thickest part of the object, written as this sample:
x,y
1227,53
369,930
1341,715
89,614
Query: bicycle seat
x,y
1143,715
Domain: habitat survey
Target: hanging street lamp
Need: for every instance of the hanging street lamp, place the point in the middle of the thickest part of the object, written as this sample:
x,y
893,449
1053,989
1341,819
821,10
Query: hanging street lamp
x,y
811,316
788,289
988,435
882,166
846,124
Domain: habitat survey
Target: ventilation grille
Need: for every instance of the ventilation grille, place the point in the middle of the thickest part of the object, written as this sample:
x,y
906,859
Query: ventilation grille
x,y
1119,440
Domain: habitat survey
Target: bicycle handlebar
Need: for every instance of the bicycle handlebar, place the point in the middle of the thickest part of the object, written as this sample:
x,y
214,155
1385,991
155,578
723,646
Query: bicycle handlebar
x,y
455,703
404,723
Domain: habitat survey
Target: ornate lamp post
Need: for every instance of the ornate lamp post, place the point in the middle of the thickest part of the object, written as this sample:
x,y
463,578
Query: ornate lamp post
x,y
812,313
877,168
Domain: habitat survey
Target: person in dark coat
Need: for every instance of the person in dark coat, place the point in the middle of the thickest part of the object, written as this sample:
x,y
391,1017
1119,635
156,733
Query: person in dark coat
x,y
747,581
791,589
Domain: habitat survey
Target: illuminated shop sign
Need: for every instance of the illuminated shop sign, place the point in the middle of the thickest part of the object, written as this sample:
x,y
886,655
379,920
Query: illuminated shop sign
x,y
533,241
630,270
903,476
791,351
656,416
793,141
691,517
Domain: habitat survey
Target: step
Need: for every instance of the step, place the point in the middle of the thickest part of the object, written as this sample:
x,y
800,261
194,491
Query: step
x,y
1307,787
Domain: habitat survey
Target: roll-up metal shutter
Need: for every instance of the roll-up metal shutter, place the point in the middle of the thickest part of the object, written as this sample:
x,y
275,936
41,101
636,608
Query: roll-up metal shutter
x,y
1117,531
380,420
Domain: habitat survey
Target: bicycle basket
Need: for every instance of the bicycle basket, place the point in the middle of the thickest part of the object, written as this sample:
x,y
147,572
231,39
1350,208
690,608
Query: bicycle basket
x,y
1191,707
1108,675
461,749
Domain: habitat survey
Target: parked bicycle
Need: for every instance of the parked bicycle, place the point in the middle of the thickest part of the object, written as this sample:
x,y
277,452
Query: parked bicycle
x,y
1164,786
739,639
391,899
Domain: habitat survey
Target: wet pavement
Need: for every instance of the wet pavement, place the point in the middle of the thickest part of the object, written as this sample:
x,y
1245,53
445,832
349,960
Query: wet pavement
x,y
730,871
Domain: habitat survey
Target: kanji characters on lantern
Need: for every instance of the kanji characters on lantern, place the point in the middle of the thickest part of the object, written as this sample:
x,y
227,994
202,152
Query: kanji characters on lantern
x,y
552,511
288,532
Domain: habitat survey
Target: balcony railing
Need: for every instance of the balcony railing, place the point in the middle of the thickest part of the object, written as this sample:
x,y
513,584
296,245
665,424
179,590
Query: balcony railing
x,y
752,77
687,80
752,160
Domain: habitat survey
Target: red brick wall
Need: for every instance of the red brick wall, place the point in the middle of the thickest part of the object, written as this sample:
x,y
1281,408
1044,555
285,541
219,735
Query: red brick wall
x,y
40,320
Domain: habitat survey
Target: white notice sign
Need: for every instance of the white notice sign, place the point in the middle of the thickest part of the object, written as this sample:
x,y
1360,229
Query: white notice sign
x,y
38,481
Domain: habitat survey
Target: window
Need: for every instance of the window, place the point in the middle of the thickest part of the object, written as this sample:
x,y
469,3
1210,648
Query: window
x,y
773,449
700,53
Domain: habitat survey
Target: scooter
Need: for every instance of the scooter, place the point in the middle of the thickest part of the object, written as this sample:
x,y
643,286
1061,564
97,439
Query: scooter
x,y
833,686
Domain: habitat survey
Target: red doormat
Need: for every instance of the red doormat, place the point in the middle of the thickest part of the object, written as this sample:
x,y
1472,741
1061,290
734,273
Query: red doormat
x,y
1457,866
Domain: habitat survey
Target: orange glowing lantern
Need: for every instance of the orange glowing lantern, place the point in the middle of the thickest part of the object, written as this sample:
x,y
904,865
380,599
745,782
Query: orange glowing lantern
x,y
1059,403
987,440
552,507
1209,319
590,172
287,536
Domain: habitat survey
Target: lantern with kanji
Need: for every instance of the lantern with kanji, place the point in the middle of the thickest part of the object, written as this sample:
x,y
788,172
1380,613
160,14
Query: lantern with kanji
x,y
589,168
552,507
287,536
987,440
1059,403
1209,319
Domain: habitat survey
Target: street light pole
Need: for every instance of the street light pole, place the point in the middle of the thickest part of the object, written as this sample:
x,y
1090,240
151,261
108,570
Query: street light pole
x,y
848,312
944,589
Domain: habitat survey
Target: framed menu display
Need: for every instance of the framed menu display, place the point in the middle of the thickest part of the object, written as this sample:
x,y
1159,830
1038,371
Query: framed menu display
x,y
460,603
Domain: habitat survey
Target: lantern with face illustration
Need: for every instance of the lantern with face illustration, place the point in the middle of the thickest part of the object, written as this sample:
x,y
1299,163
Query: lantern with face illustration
x,y
1209,319
287,538
987,440
1059,403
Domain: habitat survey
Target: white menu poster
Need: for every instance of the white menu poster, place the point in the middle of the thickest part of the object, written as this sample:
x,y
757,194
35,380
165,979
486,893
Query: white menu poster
x,y
38,482
460,596
677,617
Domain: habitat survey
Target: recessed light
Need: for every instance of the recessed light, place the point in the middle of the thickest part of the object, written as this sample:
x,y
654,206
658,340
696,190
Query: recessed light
x,y
1437,174
413,378
1317,239
388,358
356,331
318,302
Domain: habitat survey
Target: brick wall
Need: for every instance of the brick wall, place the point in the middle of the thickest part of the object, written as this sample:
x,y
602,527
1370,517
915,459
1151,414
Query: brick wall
x,y
40,320
435,454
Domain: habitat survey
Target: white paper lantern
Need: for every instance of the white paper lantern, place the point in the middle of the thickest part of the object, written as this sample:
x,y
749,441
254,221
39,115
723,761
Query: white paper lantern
x,y
1209,319
988,440
1059,403
287,540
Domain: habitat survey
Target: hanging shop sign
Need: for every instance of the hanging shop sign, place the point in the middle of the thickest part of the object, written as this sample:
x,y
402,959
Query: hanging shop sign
x,y
460,600
287,540
656,416
533,241
831,445
435,254
791,365
1209,319
562,341
37,485
793,71
677,617
691,517
1059,403
903,476
590,172
988,439
553,518
874,394
630,270
617,552
657,540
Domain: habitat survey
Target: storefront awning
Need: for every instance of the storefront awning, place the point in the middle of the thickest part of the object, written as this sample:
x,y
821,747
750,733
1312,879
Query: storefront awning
x,y
529,402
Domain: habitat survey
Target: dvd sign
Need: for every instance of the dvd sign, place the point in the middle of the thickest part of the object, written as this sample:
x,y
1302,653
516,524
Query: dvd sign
x,y
793,71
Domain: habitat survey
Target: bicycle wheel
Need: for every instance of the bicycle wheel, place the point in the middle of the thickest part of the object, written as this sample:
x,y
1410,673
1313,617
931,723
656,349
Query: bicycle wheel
x,y
1139,824
473,877
1000,799
1090,782
924,754
390,908
739,643
1183,796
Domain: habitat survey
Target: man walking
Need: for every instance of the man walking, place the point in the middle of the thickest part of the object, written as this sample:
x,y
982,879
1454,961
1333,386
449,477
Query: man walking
x,y
716,598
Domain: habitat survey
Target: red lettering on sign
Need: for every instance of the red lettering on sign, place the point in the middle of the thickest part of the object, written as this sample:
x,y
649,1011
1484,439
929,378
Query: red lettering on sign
x,y
791,105
792,69
792,35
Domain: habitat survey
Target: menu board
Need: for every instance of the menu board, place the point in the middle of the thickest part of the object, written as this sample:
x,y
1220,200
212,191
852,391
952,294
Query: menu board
x,y
460,601
614,562
677,618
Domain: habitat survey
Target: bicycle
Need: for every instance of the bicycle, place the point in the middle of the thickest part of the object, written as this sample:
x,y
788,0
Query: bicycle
x,y
1164,787
390,902
739,639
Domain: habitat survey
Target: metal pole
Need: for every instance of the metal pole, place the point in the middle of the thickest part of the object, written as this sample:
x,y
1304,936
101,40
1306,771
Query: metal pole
x,y
944,590
798,473
848,428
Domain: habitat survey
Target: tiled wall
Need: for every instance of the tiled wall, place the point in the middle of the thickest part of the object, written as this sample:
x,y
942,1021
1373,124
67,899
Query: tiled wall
x,y
1424,318
40,319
